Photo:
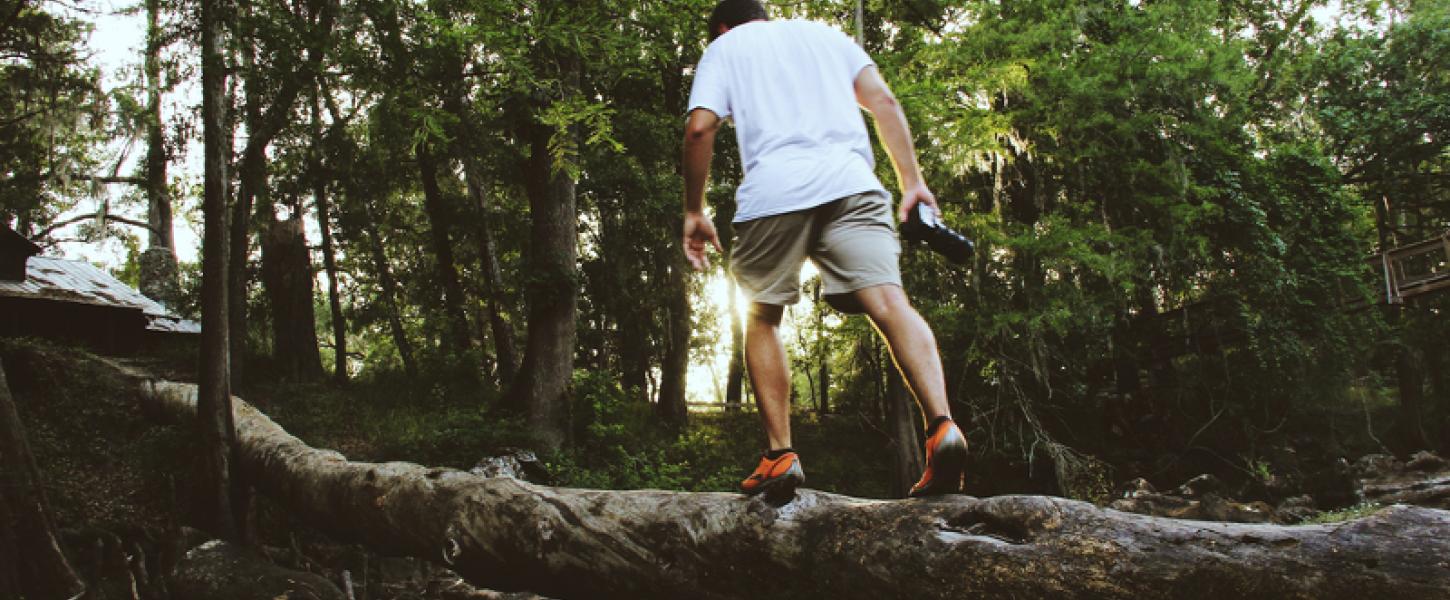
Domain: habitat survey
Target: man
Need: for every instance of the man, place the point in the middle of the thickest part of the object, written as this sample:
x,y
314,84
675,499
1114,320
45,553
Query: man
x,y
809,191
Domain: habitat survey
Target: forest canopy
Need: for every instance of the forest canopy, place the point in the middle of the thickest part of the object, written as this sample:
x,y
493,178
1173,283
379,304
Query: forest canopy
x,y
472,207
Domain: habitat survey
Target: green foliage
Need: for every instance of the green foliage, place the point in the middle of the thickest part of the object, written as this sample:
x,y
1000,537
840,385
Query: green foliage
x,y
1172,202
52,113
1345,514
437,419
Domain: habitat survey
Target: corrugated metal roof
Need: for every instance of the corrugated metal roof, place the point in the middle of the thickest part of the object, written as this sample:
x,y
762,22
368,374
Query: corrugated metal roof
x,y
74,281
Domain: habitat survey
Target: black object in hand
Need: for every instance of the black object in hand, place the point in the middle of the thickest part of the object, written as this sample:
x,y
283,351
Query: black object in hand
x,y
922,225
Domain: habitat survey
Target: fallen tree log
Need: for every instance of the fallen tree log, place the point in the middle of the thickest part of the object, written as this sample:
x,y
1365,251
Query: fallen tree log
x,y
506,534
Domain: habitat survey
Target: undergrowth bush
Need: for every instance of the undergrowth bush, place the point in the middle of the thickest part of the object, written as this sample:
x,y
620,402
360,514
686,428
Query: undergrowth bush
x,y
618,442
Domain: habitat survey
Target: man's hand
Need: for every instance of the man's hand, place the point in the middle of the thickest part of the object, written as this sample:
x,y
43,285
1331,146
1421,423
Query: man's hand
x,y
699,146
910,197
698,230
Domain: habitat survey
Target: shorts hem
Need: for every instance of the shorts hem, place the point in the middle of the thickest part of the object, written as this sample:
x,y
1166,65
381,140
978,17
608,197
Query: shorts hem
x,y
857,286
775,299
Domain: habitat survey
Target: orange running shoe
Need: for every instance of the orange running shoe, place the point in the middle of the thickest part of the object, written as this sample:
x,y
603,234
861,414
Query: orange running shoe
x,y
775,478
946,459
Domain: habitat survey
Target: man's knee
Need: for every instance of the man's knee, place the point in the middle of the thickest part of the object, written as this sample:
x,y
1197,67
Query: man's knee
x,y
883,301
765,315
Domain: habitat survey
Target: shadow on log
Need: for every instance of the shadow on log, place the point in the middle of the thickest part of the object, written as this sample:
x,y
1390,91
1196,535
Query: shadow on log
x,y
503,533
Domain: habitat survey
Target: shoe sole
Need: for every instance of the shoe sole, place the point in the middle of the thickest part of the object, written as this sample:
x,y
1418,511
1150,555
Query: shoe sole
x,y
951,463
780,487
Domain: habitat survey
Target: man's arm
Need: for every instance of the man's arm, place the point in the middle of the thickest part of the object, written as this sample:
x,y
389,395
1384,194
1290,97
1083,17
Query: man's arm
x,y
699,149
873,94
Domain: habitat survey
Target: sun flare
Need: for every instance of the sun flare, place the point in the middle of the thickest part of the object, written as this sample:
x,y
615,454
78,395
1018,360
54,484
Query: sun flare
x,y
710,366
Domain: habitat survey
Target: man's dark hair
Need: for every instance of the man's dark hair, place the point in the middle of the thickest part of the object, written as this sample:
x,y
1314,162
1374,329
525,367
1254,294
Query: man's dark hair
x,y
734,12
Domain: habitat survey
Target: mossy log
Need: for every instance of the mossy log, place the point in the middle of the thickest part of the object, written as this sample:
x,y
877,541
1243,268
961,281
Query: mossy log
x,y
507,534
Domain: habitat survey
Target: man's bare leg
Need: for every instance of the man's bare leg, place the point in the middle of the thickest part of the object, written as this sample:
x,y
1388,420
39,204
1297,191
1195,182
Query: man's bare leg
x,y
769,373
912,345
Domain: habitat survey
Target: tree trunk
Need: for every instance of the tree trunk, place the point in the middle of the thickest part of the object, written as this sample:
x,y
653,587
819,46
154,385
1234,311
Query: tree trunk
x,y
213,419
159,270
320,179
675,368
1410,381
287,277
439,220
542,388
823,404
252,174
903,422
390,290
1434,367
31,562
262,128
735,379
505,353
1407,374
506,534
674,371
634,354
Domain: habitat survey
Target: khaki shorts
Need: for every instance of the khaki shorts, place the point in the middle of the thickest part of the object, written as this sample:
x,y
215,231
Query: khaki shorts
x,y
852,242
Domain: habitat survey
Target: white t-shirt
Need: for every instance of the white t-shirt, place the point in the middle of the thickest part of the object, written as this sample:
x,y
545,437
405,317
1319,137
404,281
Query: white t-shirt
x,y
789,86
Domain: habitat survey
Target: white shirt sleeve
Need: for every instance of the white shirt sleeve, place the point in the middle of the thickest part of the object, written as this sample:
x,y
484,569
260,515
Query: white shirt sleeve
x,y
855,58
711,89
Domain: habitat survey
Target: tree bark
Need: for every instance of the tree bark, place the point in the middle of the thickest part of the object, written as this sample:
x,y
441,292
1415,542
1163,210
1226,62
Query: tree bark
x,y
675,368
735,379
390,290
213,423
542,387
1409,379
262,128
440,219
904,424
823,406
674,371
506,534
505,353
31,562
287,277
159,269
252,179
320,180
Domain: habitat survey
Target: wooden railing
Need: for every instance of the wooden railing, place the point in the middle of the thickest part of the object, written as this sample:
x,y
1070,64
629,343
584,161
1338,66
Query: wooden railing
x,y
1415,270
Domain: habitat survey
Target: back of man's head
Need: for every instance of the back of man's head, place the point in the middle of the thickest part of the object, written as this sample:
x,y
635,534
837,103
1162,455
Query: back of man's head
x,y
734,12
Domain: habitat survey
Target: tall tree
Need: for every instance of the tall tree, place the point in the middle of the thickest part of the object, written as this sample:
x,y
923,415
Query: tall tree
x,y
543,382
551,132
440,224
282,64
51,114
159,270
467,150
321,179
215,484
1384,101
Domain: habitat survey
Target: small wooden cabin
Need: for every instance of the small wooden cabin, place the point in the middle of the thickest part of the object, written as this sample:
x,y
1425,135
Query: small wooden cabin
x,y
76,302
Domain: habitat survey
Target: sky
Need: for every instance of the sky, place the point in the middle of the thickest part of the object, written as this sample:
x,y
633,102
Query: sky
x,y
116,45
